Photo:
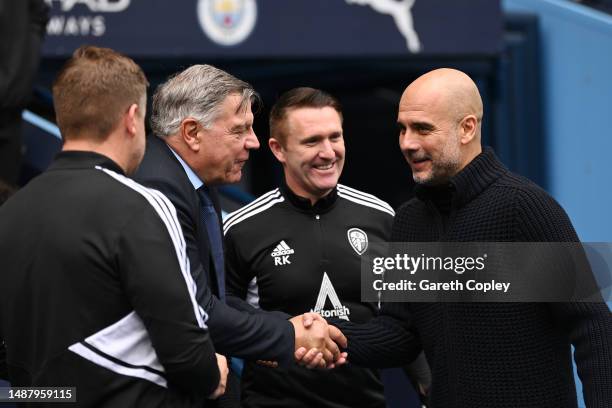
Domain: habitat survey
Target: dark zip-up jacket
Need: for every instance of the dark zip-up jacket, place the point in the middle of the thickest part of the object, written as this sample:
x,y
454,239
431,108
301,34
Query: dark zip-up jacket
x,y
283,254
97,293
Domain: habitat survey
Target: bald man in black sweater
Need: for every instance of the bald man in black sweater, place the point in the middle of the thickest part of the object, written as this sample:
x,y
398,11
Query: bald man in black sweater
x,y
501,355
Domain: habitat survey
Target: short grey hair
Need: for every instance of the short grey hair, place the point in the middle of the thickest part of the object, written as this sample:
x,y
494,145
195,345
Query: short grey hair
x,y
196,92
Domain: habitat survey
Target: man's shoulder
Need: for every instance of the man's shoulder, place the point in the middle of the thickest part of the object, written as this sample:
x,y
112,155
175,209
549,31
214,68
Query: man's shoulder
x,y
253,214
157,160
522,192
103,192
135,193
409,208
160,170
535,212
365,201
98,184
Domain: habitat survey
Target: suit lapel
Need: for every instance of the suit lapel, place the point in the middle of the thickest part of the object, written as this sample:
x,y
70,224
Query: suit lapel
x,y
201,235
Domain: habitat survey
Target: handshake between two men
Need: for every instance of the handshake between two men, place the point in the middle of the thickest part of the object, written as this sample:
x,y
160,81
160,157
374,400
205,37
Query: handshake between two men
x,y
317,343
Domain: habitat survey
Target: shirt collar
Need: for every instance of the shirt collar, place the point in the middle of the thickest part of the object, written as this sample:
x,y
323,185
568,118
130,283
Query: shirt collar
x,y
322,205
193,178
80,159
468,183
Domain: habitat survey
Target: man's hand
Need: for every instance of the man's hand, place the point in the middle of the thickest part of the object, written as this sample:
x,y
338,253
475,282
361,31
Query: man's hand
x,y
316,342
223,371
334,333
268,363
313,339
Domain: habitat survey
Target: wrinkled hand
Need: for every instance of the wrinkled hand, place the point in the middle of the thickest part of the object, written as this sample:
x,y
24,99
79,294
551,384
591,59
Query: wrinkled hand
x,y
223,371
316,342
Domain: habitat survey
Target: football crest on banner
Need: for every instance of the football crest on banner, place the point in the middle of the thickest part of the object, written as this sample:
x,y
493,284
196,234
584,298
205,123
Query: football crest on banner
x,y
227,22
358,240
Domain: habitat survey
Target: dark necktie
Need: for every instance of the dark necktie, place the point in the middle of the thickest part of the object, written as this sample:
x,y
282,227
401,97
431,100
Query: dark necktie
x,y
213,229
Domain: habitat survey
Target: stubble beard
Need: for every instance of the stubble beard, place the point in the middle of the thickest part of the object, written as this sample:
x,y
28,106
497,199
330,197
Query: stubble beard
x,y
442,169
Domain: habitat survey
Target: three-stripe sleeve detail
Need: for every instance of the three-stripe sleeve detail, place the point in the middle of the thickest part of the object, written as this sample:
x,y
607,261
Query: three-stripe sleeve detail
x,y
167,213
366,199
125,346
261,204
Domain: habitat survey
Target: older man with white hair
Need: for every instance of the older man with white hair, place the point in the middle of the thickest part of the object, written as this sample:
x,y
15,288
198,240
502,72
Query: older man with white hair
x,y
203,132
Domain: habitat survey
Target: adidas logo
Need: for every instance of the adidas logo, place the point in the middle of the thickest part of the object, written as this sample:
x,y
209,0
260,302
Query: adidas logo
x,y
282,249
281,254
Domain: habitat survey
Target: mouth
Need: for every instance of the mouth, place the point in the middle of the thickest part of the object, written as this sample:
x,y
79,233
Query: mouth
x,y
324,167
420,163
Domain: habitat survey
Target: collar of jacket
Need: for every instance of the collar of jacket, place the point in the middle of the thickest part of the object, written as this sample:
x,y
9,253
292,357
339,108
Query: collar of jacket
x,y
77,159
468,183
321,206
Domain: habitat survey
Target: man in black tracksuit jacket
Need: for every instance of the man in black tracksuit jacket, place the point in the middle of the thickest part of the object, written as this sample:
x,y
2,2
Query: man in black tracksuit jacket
x,y
307,262
96,288
501,355
298,249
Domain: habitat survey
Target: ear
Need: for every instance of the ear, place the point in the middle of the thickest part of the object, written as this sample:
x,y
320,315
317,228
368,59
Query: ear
x,y
189,132
130,119
277,149
468,127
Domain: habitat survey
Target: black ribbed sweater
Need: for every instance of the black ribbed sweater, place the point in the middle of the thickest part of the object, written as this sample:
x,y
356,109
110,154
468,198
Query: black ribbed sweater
x,y
493,355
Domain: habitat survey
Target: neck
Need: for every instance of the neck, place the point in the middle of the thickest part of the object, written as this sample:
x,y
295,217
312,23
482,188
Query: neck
x,y
106,148
470,155
300,192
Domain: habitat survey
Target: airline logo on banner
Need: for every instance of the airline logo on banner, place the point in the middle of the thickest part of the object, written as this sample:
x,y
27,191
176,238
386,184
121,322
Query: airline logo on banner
x,y
89,20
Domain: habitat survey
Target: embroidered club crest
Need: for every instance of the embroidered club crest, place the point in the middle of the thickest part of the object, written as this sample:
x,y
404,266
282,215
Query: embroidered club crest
x,y
358,240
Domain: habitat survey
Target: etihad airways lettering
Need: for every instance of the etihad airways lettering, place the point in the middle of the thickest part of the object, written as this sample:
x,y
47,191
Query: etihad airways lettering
x,y
82,25
102,6
73,25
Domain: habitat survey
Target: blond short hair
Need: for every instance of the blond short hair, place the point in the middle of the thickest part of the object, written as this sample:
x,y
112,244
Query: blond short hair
x,y
93,89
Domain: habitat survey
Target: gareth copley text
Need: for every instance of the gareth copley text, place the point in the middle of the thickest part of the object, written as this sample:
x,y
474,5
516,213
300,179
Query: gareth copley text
x,y
426,285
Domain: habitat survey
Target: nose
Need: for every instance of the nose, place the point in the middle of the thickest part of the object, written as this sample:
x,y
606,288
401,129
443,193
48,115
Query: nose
x,y
408,143
251,142
327,151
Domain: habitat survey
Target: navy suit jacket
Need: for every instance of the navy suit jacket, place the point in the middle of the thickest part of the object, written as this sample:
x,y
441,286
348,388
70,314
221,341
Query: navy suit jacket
x,y
239,331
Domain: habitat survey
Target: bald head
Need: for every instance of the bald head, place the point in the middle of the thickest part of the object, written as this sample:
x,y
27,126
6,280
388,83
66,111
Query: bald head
x,y
452,89
440,117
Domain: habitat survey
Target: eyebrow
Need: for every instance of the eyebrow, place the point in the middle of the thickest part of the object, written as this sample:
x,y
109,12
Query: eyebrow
x,y
311,139
316,138
422,125
416,125
241,127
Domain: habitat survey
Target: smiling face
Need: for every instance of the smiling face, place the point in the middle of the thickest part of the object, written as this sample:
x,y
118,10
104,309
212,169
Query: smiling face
x,y
429,139
224,147
439,120
313,151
